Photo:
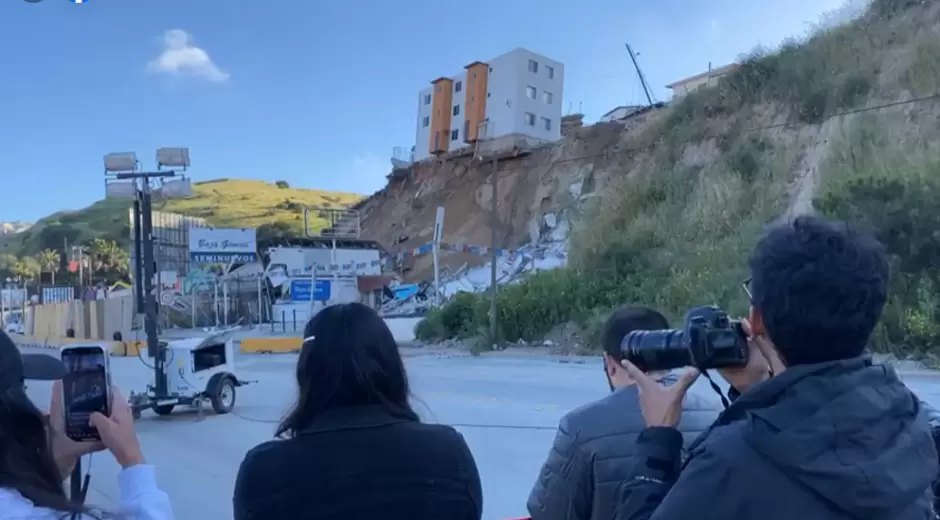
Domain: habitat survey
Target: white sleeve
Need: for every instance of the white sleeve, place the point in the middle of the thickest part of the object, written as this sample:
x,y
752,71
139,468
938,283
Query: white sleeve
x,y
141,499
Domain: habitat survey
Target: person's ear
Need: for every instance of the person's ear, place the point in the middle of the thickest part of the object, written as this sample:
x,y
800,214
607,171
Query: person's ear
x,y
756,320
610,365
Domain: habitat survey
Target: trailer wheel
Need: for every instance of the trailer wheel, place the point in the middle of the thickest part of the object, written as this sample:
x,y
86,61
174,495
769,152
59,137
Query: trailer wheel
x,y
164,409
223,398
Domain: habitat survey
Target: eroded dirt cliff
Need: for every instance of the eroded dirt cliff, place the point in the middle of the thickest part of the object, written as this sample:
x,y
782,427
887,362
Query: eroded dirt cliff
x,y
542,180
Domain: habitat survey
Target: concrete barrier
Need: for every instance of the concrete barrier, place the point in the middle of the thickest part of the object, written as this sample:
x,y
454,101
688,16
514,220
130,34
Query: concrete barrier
x,y
116,348
50,342
269,344
403,329
127,348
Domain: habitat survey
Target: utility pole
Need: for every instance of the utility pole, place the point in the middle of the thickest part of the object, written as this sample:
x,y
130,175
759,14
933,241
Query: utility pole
x,y
639,73
494,236
143,246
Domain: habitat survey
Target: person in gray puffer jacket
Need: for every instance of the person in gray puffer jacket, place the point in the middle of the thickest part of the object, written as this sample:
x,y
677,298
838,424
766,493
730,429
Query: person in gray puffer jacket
x,y
587,462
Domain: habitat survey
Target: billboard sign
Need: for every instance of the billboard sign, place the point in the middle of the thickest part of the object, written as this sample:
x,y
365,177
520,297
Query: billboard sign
x,y
300,290
222,245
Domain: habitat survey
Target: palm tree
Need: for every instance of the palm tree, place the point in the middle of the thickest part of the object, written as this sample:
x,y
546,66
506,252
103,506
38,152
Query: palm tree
x,y
26,268
7,261
108,258
49,260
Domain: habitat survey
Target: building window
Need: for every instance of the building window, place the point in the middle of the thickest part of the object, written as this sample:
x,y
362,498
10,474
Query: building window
x,y
531,92
550,71
427,99
456,110
547,124
458,86
487,94
491,69
533,66
426,121
547,97
454,135
530,119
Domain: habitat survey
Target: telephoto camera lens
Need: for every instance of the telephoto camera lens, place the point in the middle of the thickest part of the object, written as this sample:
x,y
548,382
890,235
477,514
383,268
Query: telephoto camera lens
x,y
710,340
656,350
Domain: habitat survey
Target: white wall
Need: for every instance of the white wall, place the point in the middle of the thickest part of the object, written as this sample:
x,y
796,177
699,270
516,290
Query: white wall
x,y
512,79
298,258
423,133
506,102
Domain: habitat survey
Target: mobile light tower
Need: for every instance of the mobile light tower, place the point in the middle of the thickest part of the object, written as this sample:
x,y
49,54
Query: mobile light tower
x,y
124,179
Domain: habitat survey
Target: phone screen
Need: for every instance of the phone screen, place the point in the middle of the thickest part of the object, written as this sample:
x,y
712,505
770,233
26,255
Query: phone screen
x,y
85,390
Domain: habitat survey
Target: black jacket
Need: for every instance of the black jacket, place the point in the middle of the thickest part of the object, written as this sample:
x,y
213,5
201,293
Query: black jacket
x,y
363,464
842,440
590,456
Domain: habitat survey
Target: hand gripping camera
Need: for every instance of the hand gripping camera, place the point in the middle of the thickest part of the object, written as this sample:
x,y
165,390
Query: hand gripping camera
x,y
708,340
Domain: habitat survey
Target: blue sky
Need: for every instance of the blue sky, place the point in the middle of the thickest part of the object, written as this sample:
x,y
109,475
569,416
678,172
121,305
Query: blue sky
x,y
314,93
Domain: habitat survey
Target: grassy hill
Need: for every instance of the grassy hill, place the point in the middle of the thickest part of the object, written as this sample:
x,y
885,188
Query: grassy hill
x,y
845,122
223,202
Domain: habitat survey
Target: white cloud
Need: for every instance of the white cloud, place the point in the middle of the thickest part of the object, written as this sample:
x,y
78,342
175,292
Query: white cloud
x,y
180,57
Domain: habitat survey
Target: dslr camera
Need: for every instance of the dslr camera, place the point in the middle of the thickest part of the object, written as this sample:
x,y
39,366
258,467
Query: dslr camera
x,y
708,340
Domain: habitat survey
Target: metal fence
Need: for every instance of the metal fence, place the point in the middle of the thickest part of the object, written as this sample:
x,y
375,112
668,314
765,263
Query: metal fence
x,y
212,302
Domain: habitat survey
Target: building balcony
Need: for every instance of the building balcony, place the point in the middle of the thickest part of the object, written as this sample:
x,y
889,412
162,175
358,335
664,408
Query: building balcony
x,y
402,157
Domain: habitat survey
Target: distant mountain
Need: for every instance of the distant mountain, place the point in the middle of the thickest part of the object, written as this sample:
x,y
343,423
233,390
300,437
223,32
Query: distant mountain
x,y
14,226
222,202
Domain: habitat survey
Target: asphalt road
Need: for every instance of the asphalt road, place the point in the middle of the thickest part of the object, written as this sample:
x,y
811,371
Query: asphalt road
x,y
506,407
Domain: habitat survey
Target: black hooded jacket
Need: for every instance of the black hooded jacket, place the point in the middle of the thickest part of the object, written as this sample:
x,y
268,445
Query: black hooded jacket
x,y
841,441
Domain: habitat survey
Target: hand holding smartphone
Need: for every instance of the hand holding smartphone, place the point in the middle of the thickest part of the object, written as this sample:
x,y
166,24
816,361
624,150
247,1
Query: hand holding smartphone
x,y
93,409
86,389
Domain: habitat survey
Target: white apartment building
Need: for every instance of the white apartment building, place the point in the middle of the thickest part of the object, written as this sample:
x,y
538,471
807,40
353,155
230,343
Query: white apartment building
x,y
518,93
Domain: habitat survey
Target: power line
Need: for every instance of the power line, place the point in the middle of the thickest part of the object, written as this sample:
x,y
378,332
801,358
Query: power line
x,y
505,172
932,97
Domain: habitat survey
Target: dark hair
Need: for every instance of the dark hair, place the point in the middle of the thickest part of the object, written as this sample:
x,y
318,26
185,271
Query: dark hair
x,y
348,358
820,287
26,461
626,320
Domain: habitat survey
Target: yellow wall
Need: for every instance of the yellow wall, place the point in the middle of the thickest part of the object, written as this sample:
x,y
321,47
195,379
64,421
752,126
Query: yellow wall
x,y
475,100
441,115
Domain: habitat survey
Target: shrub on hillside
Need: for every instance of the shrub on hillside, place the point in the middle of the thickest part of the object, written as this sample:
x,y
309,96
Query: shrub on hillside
x,y
282,185
903,212
673,229
525,310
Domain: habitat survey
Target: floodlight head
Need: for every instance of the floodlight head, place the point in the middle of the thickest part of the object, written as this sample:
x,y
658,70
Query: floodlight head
x,y
175,188
173,157
120,189
120,162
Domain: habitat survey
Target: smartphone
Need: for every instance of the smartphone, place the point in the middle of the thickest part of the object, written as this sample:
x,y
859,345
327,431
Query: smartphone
x,y
86,388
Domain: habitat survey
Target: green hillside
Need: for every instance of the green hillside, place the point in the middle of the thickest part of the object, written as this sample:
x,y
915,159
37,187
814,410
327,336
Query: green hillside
x,y
223,202
844,122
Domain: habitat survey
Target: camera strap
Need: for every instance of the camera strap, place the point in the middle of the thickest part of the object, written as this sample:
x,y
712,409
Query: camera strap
x,y
716,388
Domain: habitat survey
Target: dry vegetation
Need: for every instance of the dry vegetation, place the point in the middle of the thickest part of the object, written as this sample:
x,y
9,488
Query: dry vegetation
x,y
809,120
223,202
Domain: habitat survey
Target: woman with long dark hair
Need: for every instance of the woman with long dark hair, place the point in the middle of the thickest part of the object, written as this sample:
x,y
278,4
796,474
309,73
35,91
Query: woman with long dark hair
x,y
36,456
352,446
